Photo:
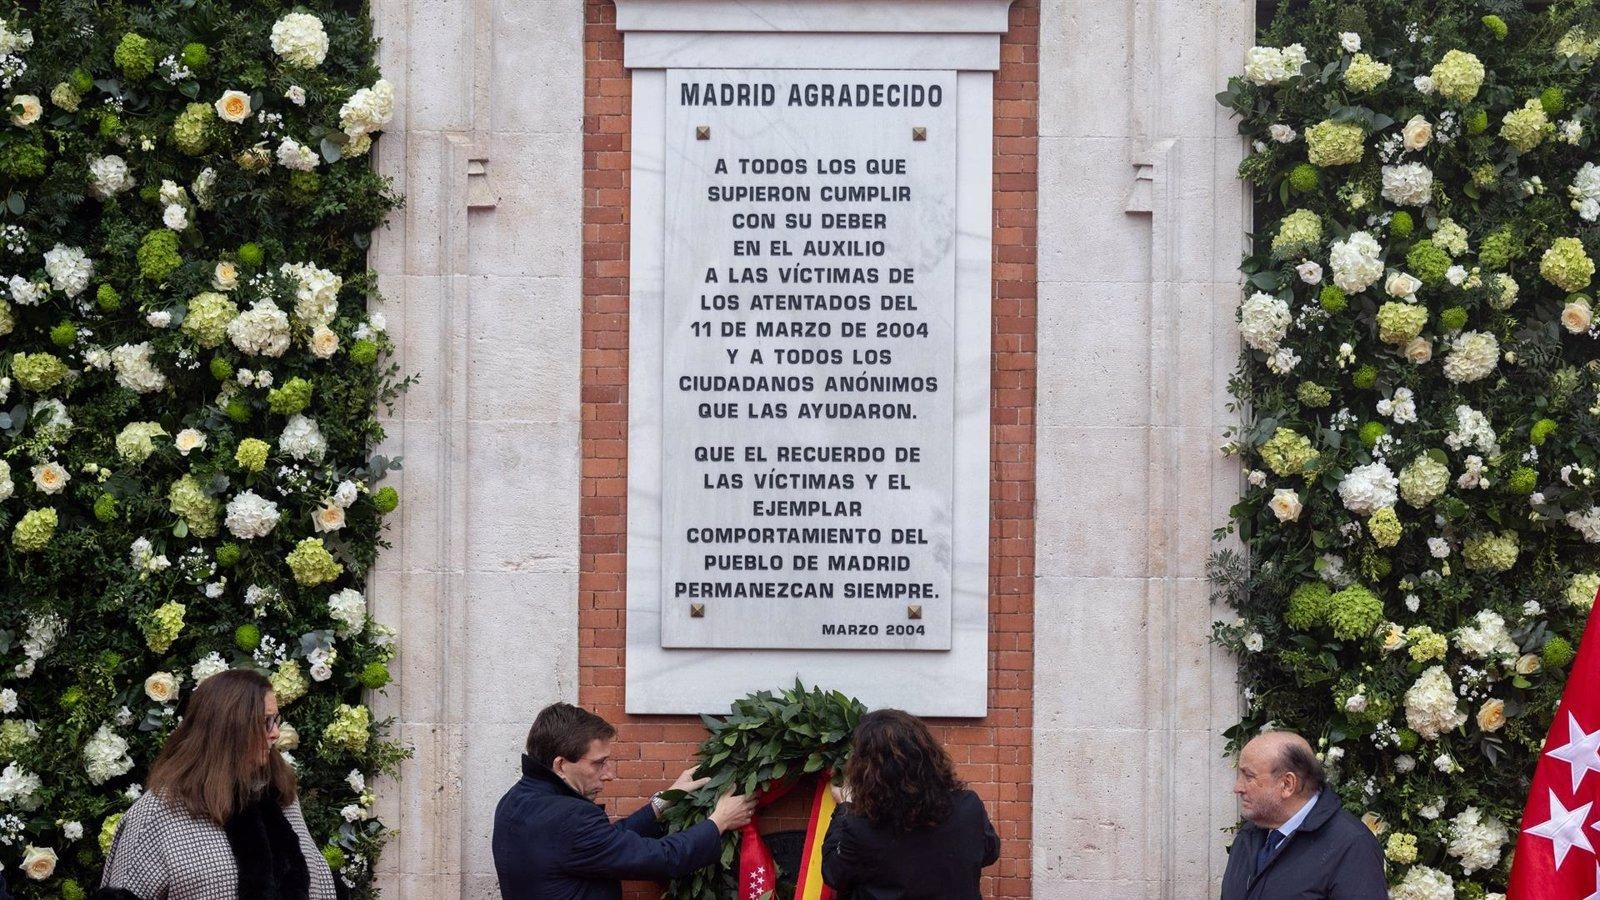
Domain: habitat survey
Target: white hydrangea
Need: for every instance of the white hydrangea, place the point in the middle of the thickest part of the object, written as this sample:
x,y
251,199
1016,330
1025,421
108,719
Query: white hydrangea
x,y
8,701
262,330
7,486
19,787
300,40
1451,237
1486,637
1271,65
25,292
1263,321
316,294
297,156
344,496
210,664
368,110
1431,704
1369,488
1473,355
1476,840
302,439
13,41
1585,192
349,609
1472,430
175,217
251,515
69,269
108,176
105,756
1402,407
1586,523
1355,262
136,368
1408,184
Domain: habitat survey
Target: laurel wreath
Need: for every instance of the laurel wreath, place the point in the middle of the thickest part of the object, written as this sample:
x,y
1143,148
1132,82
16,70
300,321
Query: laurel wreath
x,y
766,739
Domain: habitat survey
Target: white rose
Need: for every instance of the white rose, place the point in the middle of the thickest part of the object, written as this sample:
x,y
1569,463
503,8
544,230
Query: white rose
x,y
25,110
1577,316
288,737
1283,134
225,277
1254,641
233,106
1423,84
345,494
1350,41
162,687
1417,133
1285,504
328,518
1402,286
324,343
38,863
296,95
175,217
189,440
1310,272
72,831
1419,350
297,156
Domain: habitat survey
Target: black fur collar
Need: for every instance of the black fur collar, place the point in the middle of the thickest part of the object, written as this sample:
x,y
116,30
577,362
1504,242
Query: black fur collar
x,y
267,851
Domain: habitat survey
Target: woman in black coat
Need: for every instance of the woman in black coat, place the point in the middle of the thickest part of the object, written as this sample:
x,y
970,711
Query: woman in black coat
x,y
906,827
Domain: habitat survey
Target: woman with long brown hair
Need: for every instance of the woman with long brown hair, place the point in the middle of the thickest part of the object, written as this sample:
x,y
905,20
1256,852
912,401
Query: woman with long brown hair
x,y
221,819
907,827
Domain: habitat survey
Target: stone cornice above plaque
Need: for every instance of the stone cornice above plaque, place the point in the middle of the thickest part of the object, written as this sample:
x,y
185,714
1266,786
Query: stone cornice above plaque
x,y
961,35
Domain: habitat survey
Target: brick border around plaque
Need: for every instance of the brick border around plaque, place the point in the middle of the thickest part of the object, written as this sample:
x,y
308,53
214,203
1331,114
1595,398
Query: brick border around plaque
x,y
994,753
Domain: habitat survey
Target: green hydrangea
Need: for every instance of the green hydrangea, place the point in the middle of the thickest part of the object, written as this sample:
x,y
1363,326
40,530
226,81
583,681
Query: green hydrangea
x,y
1503,291
38,371
208,318
1582,588
158,255
1458,76
1370,432
23,159
187,500
108,831
1499,248
1558,653
163,626
1313,395
135,56
1523,481
304,188
1401,848
1303,178
1288,452
15,736
105,508
247,637
333,856
1429,262
1496,26
1399,322
1426,643
386,499
1354,612
1333,299
1580,43
1566,265
196,56
349,729
1330,143
1298,235
1366,73
251,254
1554,100
1450,237
1423,481
288,682
312,564
65,97
220,368
1401,225
8,319
1365,377
107,298
364,352
34,530
1490,552
374,675
291,397
1527,127
1453,318
64,334
237,409
1485,176
1384,526
191,131
1308,606
229,554
252,454
137,440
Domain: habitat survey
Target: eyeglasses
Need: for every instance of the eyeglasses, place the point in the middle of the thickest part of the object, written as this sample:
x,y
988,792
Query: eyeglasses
x,y
272,720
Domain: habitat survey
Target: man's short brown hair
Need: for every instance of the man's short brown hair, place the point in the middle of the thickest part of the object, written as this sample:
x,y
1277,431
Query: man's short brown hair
x,y
564,730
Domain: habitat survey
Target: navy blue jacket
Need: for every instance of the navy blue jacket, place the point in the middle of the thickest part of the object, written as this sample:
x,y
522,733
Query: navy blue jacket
x,y
1331,856
4,894
552,843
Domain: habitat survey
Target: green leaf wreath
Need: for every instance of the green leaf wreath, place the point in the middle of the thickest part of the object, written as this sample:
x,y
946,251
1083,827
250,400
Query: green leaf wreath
x,y
189,382
1421,417
765,739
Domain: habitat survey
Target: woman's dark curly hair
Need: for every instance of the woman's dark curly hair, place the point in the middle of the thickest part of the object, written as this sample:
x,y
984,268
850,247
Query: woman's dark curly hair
x,y
898,774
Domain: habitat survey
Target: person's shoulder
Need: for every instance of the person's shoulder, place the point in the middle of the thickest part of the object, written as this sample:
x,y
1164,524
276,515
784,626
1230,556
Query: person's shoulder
x,y
1345,826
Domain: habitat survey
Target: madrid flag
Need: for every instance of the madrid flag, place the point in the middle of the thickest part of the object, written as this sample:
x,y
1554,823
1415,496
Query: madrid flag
x,y
1556,855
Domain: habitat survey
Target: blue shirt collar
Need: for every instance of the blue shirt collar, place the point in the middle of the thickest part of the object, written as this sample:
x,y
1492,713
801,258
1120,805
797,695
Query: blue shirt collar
x,y
1299,818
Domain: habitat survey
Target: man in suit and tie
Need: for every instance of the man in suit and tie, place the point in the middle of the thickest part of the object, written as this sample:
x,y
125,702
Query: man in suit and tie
x,y
1298,839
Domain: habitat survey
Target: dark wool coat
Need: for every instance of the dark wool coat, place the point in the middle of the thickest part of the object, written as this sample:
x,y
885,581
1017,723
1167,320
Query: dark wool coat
x,y
1331,855
552,843
4,894
865,862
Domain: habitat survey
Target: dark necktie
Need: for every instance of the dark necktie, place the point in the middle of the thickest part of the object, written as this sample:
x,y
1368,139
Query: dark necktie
x,y
1274,838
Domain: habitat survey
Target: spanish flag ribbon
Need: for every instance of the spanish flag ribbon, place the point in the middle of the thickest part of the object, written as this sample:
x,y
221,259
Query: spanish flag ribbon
x,y
809,885
758,874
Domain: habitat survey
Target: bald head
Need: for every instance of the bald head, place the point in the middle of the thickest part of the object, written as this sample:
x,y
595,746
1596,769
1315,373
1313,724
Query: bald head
x,y
1278,773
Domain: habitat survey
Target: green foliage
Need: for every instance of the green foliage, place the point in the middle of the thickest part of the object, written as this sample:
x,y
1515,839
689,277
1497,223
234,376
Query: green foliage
x,y
766,738
133,567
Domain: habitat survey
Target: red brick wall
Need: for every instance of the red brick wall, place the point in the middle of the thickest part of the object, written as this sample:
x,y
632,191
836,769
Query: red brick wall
x,y
994,753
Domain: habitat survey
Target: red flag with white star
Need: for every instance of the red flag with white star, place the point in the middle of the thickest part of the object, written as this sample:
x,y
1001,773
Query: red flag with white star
x,y
1556,855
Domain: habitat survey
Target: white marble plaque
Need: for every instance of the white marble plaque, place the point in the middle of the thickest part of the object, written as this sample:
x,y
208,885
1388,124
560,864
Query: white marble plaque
x,y
808,359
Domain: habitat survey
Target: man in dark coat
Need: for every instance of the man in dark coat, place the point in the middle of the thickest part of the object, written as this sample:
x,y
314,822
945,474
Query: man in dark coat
x,y
1299,840
552,841
4,894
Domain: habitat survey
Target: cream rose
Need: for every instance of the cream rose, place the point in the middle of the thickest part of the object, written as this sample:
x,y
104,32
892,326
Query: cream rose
x,y
1417,133
1528,663
162,687
26,110
1402,286
50,478
328,518
288,737
38,863
225,277
1577,316
1285,504
233,106
189,440
324,343
1419,350
1374,823
1492,715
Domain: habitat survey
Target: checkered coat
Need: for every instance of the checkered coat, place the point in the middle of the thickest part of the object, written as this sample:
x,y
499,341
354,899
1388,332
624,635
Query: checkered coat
x,y
160,852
